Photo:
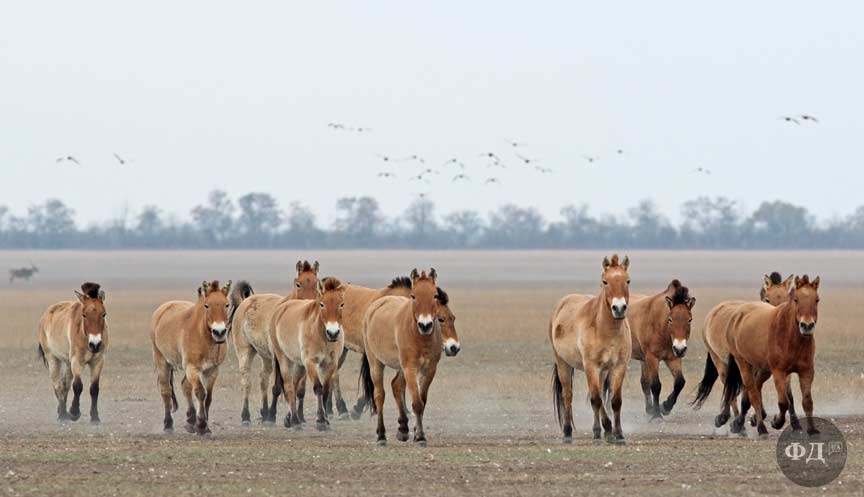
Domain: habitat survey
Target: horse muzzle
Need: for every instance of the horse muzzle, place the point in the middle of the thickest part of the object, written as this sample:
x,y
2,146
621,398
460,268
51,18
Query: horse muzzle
x,y
219,332
451,347
679,347
807,329
619,308
94,343
332,332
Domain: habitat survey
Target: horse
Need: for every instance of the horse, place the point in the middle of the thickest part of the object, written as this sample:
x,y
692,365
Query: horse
x,y
774,292
591,333
73,335
403,334
250,323
306,340
767,341
23,273
192,337
357,301
661,327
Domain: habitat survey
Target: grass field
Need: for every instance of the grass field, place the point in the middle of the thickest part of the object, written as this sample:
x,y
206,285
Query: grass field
x,y
489,421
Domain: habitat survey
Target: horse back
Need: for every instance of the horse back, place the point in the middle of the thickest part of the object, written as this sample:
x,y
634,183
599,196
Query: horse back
x,y
567,326
384,317
252,321
56,328
167,327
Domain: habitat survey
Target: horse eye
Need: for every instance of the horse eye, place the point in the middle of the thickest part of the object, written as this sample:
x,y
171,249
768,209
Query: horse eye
x,y
321,304
104,314
605,282
628,282
206,306
297,284
413,297
440,320
227,305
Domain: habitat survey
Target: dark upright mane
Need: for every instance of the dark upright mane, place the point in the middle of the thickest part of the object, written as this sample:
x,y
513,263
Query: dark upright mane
x,y
442,296
400,282
91,289
681,295
776,279
330,283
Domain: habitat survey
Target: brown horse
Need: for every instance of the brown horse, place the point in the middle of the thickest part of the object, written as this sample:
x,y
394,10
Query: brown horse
x,y
773,342
73,335
403,334
191,337
661,328
250,324
591,333
307,340
774,291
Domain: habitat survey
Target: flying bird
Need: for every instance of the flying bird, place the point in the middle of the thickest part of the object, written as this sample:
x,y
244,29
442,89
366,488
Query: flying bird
x,y
544,170
790,119
807,117
702,170
492,181
525,160
68,158
620,151
460,177
386,174
414,157
591,158
491,155
513,143
121,160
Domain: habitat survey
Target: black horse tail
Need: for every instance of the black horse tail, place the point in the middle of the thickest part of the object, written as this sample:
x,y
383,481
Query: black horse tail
x,y
241,291
368,386
707,383
41,352
557,395
173,396
733,382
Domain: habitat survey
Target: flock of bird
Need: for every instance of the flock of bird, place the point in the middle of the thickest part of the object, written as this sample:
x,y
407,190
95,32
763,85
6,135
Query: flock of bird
x,y
456,168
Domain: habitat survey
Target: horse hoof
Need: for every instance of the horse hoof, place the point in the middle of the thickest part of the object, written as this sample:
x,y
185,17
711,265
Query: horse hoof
x,y
778,423
420,443
382,443
344,416
796,425
720,420
402,436
190,428
246,423
667,409
74,416
322,426
617,441
813,431
567,440
753,420
597,441
355,415
168,429
95,421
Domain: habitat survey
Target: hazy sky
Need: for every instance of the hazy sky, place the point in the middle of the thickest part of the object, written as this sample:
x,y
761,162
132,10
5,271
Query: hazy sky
x,y
237,96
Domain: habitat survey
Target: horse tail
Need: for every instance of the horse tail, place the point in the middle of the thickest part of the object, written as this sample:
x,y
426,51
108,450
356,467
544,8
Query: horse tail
x,y
707,383
733,382
241,291
557,395
366,383
41,352
173,395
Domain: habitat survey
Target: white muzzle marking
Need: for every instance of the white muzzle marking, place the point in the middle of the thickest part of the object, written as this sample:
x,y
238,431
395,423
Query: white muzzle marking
x,y
218,326
425,319
679,345
332,329
619,303
451,347
94,339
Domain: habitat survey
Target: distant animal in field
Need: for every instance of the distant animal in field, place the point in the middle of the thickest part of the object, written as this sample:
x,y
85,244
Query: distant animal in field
x,y
23,273
191,337
403,334
74,335
592,334
68,158
767,341
250,330
660,327
307,341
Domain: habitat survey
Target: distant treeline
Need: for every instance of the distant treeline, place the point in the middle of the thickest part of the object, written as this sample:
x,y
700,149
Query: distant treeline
x,y
256,220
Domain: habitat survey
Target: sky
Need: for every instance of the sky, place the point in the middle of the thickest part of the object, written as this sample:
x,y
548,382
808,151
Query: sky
x,y
237,96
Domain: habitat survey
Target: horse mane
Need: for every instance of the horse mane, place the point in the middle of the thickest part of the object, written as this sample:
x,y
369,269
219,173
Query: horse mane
x,y
442,296
776,278
681,295
805,280
400,282
304,267
214,285
91,289
330,283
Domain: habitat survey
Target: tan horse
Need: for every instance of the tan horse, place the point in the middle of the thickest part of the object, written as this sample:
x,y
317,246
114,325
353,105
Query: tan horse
x,y
73,335
661,328
774,291
307,340
591,333
250,324
772,341
403,334
191,337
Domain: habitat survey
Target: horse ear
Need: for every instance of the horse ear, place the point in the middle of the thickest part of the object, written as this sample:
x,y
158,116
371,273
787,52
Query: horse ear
x,y
433,274
691,302
788,281
205,287
227,288
315,267
815,283
320,287
626,262
606,263
766,283
80,296
299,266
798,282
669,302
414,276
102,295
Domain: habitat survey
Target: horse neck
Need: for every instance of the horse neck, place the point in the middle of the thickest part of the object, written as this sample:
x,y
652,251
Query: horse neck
x,y
603,314
200,319
785,329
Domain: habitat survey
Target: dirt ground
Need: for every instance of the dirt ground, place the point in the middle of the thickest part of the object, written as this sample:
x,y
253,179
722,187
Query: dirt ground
x,y
490,422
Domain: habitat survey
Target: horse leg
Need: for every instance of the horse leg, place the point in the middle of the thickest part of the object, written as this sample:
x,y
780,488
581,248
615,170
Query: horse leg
x,y
805,378
565,377
77,388
762,376
57,372
652,365
300,387
592,376
95,374
284,380
341,407
674,366
426,377
616,377
645,381
737,425
317,379
211,382
781,382
245,354
264,386
199,385
793,416
191,413
398,387
166,389
751,384
376,371
417,404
